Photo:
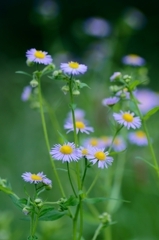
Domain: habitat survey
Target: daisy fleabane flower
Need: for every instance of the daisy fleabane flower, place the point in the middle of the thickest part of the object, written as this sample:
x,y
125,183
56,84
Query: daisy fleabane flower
x,y
98,155
119,144
80,127
36,178
38,56
139,138
127,119
66,152
133,60
111,101
73,68
115,76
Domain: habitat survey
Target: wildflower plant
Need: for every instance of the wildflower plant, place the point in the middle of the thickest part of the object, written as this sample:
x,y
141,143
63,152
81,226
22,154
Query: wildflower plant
x,y
77,153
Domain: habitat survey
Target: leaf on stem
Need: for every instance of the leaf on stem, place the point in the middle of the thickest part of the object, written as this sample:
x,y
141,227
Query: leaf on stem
x,y
24,73
150,113
50,214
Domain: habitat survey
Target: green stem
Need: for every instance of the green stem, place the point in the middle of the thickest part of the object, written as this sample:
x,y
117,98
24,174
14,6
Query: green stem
x,y
71,179
115,189
73,114
116,133
47,140
84,174
97,232
94,181
54,121
147,135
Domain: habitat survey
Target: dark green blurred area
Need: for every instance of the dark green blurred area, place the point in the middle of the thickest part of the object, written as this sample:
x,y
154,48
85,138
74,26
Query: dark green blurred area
x,y
22,143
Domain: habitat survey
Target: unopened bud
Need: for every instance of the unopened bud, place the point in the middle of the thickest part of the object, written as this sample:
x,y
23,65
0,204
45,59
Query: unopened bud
x,y
127,78
29,63
65,89
105,218
114,88
34,83
56,73
76,92
26,210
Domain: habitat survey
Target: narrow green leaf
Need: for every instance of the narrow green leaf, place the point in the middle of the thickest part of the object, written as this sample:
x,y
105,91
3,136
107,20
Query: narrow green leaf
x,y
72,201
150,113
62,169
101,199
134,84
150,164
63,137
81,85
24,73
21,202
50,214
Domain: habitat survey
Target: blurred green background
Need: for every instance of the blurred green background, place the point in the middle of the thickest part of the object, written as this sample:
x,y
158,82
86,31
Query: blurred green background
x,y
58,27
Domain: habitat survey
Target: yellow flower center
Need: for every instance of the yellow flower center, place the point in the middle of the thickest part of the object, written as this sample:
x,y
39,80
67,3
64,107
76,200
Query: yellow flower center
x,y
133,56
35,177
39,54
101,156
117,141
84,151
80,125
65,149
128,117
74,65
94,142
140,134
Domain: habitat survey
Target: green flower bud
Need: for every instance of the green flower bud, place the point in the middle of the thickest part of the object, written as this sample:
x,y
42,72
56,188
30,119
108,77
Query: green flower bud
x,y
38,200
29,63
34,83
65,89
26,210
105,218
127,78
56,73
114,88
76,92
48,187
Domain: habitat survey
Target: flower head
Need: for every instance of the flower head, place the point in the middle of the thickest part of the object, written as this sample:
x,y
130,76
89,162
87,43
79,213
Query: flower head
x,y
147,99
100,156
123,93
110,101
79,115
26,93
127,119
138,138
37,56
119,144
66,152
80,127
133,60
115,76
97,27
36,178
73,68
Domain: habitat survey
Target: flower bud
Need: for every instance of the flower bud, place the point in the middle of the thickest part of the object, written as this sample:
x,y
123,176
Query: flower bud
x,y
127,78
105,218
34,83
38,200
65,89
56,73
29,63
76,92
26,210
114,88
48,187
